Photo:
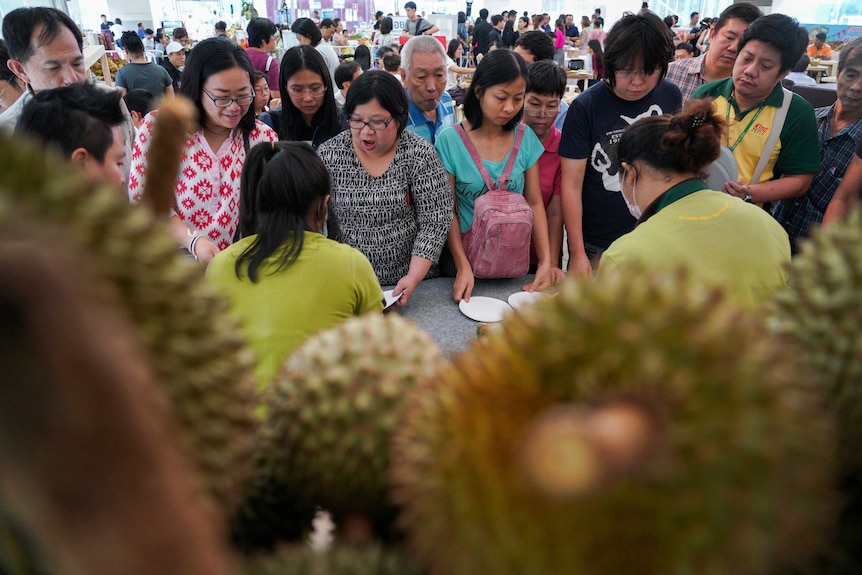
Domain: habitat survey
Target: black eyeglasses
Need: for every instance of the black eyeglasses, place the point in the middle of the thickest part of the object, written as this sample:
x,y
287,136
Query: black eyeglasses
x,y
224,101
375,125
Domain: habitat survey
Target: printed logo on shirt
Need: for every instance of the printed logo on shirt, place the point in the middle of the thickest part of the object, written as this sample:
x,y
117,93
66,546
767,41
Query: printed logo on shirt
x,y
760,129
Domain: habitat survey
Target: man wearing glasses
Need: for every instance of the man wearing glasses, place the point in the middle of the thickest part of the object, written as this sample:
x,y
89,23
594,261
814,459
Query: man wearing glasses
x,y
541,106
637,51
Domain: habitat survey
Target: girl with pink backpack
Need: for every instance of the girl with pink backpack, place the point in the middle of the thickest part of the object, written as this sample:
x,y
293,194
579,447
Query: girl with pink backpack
x,y
491,161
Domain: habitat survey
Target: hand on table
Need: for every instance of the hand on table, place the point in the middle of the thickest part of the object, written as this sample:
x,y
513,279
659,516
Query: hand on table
x,y
545,278
557,275
405,286
463,286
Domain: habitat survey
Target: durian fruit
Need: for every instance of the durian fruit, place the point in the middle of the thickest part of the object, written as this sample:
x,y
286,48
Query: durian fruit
x,y
721,466
193,345
342,560
331,411
819,314
93,479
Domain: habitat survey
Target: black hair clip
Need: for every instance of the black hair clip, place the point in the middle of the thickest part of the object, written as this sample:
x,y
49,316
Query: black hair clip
x,y
697,122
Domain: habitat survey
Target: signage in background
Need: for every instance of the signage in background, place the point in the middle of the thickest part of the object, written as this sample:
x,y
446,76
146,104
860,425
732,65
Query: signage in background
x,y
834,32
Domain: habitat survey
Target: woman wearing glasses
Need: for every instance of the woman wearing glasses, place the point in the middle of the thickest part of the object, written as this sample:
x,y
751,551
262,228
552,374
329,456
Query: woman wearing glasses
x,y
308,112
493,108
217,79
390,196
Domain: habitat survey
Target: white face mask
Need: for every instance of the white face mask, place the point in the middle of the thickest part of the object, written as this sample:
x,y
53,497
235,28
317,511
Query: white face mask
x,y
633,207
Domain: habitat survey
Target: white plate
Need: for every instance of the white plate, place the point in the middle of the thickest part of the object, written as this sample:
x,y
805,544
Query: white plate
x,y
389,299
523,298
485,309
722,170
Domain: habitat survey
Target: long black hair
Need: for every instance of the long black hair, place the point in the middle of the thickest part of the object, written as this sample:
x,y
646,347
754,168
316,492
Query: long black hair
x,y
210,57
281,183
326,120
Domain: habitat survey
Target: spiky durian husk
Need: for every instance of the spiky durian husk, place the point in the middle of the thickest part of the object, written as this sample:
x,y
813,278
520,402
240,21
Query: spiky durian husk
x,y
195,348
820,315
302,560
743,486
333,407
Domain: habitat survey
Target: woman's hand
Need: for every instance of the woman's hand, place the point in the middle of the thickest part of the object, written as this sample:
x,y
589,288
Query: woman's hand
x,y
545,278
405,286
464,281
557,276
205,250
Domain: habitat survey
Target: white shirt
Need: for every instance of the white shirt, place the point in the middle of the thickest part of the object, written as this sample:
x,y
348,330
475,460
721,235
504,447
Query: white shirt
x,y
331,59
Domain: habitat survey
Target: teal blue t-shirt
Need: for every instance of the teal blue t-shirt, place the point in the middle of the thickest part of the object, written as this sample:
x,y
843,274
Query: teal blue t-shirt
x,y
469,184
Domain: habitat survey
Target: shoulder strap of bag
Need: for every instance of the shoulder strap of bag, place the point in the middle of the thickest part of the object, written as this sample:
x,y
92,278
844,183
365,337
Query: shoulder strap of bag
x,y
772,140
269,63
480,165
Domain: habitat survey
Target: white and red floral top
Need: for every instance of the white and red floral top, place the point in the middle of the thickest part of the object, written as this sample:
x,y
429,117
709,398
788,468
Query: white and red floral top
x,y
207,186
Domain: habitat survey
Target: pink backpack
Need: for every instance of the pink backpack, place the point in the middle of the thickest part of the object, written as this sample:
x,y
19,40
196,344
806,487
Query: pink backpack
x,y
498,243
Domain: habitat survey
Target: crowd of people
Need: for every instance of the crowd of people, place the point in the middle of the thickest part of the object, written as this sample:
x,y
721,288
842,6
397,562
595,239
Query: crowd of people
x,y
329,179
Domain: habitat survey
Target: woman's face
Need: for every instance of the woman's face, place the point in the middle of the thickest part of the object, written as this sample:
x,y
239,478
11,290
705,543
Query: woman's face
x,y
261,95
374,142
458,52
230,83
303,40
502,102
306,90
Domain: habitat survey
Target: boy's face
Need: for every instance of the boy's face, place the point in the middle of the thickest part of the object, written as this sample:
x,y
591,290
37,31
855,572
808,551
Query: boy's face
x,y
540,111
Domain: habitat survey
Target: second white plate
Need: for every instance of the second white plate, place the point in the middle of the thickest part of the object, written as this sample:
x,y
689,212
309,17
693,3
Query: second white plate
x,y
486,309
522,298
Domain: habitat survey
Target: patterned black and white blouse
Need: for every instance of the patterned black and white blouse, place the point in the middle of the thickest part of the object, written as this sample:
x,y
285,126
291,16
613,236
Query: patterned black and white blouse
x,y
405,212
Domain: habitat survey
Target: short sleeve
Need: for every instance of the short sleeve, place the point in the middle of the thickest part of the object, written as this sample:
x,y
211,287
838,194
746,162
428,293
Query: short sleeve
x,y
166,78
446,148
576,134
120,80
369,294
272,74
531,149
800,150
140,154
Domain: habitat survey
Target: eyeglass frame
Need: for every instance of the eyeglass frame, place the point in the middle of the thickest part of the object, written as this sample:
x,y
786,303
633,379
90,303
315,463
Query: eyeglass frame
x,y
629,74
232,100
385,123
543,112
301,92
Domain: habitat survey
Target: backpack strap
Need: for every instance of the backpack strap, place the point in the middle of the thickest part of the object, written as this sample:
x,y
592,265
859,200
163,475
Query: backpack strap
x,y
480,165
772,139
269,62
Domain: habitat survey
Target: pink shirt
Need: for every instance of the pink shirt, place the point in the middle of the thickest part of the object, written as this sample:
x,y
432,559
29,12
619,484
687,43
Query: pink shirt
x,y
259,61
550,175
207,185
559,39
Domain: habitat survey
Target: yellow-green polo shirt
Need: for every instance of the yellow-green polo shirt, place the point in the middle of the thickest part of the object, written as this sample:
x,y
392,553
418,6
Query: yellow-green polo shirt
x,y
797,151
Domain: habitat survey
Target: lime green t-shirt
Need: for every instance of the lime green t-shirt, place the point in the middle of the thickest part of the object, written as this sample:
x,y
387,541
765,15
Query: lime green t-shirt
x,y
326,285
721,239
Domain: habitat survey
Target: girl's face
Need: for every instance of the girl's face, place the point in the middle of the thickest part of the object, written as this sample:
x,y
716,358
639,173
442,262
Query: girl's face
x,y
261,95
458,52
303,40
306,90
500,103
376,141
230,83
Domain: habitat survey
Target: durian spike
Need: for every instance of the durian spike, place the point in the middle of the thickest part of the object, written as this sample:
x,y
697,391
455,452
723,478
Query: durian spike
x,y
174,121
91,463
570,450
339,560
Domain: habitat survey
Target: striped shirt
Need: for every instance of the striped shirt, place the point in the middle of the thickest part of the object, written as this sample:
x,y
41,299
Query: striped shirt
x,y
420,124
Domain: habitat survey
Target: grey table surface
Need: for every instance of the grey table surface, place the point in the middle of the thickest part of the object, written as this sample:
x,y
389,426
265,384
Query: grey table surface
x,y
432,308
